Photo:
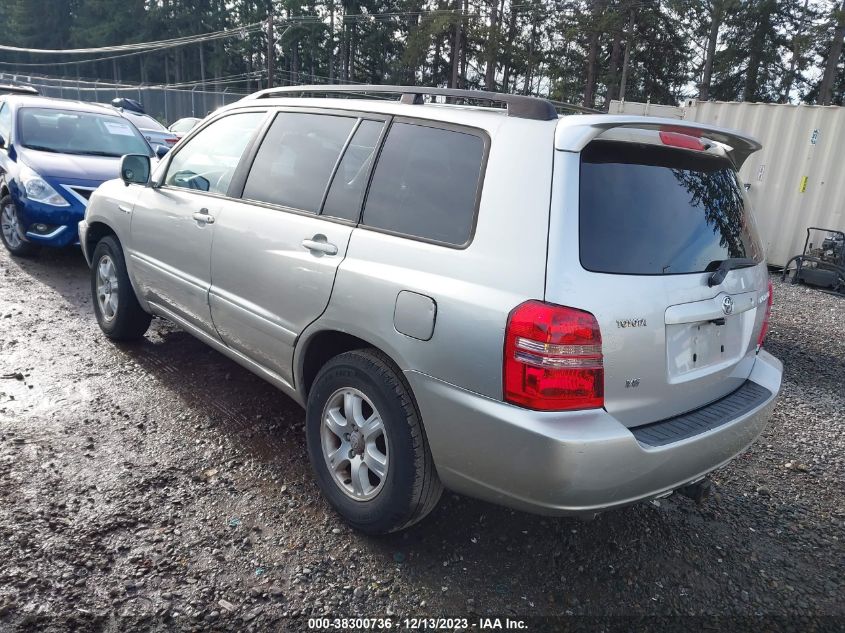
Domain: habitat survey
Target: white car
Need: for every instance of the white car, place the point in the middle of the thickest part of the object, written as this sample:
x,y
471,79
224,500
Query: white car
x,y
562,314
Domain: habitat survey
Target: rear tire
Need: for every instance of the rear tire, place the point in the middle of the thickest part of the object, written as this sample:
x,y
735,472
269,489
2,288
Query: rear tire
x,y
11,232
116,307
362,396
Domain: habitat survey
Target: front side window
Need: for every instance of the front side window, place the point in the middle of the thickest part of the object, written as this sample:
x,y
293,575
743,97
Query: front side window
x,y
426,183
76,132
208,161
653,210
296,159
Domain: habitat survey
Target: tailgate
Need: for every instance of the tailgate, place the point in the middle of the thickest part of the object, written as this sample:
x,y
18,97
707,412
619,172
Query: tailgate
x,y
640,222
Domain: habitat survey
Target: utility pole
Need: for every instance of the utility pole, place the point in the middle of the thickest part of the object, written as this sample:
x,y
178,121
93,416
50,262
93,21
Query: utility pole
x,y
629,44
331,42
456,49
270,46
202,66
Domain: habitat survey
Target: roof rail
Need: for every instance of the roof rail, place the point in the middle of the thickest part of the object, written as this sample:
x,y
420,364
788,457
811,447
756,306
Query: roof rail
x,y
519,106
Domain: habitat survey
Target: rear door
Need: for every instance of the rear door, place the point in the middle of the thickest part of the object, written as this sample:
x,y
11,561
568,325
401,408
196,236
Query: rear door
x,y
277,249
641,222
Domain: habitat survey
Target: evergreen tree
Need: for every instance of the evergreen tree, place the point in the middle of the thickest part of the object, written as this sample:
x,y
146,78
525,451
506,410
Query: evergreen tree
x,y
581,51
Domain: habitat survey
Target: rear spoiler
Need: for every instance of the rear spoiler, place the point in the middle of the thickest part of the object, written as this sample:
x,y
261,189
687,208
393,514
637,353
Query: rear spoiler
x,y
574,133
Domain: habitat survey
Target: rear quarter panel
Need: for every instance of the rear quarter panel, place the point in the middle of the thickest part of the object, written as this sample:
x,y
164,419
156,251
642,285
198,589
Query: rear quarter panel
x,y
474,288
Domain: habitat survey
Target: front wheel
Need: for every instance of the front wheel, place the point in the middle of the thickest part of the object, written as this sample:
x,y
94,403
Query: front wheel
x,y
116,307
11,232
367,444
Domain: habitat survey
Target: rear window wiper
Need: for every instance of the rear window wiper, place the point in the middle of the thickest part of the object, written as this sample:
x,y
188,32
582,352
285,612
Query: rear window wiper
x,y
727,265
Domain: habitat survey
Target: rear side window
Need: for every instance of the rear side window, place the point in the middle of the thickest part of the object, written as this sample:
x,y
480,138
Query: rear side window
x,y
650,210
350,180
296,159
425,184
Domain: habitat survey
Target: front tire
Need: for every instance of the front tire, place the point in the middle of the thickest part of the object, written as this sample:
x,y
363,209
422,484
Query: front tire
x,y
367,445
116,307
11,232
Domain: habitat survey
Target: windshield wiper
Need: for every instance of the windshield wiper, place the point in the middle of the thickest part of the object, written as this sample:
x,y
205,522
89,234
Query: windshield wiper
x,y
96,153
42,148
728,265
89,152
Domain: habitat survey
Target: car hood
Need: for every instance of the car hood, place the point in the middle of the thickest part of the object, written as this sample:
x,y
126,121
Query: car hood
x,y
75,166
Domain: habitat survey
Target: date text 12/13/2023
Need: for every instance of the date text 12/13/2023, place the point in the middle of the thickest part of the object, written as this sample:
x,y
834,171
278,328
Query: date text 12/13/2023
x,y
417,624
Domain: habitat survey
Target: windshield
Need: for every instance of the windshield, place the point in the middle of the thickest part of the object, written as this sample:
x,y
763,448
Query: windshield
x,y
652,210
75,132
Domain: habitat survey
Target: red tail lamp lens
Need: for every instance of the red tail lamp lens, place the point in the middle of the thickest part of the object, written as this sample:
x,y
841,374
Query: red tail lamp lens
x,y
553,358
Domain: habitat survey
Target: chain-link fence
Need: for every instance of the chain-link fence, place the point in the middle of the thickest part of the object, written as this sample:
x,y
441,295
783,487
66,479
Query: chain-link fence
x,y
163,103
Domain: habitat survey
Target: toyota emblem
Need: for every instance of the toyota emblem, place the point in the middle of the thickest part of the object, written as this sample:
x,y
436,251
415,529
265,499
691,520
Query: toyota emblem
x,y
727,305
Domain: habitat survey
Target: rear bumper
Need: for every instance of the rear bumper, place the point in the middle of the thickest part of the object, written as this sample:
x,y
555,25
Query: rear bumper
x,y
576,462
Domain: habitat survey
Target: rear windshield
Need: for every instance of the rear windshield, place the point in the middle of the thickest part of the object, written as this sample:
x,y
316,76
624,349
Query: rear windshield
x,y
651,210
144,121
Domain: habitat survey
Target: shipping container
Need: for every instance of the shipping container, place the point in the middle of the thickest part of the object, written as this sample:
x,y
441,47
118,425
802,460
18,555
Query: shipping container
x,y
796,181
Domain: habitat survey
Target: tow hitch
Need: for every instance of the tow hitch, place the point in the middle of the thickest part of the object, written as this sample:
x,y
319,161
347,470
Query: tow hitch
x,y
698,491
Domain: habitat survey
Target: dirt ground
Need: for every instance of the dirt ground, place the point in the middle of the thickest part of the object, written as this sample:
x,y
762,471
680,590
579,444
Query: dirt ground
x,y
159,486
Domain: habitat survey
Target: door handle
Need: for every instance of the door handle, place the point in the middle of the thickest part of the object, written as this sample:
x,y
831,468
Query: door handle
x,y
203,216
319,245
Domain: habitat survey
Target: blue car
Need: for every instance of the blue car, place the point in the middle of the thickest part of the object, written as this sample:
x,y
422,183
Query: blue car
x,y
53,154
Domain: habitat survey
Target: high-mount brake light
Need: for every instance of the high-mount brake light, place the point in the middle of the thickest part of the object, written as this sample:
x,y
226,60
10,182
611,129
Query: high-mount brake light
x,y
553,358
684,141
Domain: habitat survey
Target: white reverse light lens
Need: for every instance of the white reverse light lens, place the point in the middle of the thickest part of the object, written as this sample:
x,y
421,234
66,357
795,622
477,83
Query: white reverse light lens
x,y
39,190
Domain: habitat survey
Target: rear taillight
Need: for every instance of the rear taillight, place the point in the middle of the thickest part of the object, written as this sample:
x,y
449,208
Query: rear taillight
x,y
765,329
553,358
171,141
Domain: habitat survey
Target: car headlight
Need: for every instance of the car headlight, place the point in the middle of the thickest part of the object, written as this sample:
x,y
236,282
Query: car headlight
x,y
39,190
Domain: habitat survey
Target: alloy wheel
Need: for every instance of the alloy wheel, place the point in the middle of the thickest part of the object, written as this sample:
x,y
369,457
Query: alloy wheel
x,y
10,227
107,286
354,443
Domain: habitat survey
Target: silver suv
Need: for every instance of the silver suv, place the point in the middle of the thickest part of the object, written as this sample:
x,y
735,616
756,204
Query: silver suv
x,y
562,314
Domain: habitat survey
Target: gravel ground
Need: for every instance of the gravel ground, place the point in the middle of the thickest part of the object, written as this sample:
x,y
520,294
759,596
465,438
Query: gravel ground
x,y
160,486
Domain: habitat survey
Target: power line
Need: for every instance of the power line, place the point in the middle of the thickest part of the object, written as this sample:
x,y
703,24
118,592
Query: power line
x,y
140,46
152,47
85,61
94,60
88,86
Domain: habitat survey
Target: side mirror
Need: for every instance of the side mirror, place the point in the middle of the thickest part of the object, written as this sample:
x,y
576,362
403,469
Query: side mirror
x,y
161,150
135,169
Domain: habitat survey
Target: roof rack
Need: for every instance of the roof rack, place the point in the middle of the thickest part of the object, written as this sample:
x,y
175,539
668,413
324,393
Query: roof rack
x,y
519,106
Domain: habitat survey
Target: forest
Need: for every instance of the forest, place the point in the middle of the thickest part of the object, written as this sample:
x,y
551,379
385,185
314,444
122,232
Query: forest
x,y
580,51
